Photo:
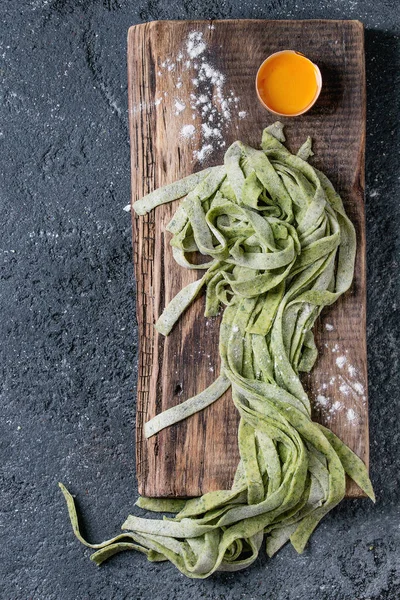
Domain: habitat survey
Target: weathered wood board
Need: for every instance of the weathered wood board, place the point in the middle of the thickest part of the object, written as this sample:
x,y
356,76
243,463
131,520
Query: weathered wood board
x,y
171,64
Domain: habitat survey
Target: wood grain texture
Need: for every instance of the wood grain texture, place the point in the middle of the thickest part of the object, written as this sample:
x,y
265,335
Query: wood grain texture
x,y
201,454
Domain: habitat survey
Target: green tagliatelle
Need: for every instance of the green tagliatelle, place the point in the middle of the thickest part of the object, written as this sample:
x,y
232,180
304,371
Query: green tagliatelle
x,y
281,248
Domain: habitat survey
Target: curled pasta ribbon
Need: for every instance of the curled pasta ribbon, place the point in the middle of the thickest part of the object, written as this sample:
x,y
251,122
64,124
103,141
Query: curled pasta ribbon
x,y
281,248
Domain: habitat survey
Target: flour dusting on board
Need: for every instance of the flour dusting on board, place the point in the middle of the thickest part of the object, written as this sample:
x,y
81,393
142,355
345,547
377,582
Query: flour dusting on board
x,y
188,131
333,396
322,400
341,361
351,415
195,44
210,105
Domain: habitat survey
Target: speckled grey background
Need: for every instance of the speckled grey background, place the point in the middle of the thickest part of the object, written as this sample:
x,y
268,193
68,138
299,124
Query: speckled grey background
x,y
69,339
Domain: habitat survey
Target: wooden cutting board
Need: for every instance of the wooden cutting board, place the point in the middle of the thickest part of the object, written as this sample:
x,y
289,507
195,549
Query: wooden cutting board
x,y
180,73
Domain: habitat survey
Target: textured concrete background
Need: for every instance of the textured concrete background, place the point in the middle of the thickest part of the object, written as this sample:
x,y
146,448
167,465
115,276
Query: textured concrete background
x,y
69,340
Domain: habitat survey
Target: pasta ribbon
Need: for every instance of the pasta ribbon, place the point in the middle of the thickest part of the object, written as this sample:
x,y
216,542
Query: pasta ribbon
x,y
281,248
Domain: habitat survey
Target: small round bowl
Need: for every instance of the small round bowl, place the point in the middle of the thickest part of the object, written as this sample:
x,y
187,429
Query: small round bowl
x,y
318,79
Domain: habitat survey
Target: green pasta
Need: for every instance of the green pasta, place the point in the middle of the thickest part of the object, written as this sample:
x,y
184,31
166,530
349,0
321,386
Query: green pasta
x,y
281,248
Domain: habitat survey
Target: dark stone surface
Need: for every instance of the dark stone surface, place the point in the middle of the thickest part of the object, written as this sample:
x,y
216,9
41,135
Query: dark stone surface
x,y
67,312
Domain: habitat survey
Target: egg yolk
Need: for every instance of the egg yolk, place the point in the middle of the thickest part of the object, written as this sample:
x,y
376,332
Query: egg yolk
x,y
287,83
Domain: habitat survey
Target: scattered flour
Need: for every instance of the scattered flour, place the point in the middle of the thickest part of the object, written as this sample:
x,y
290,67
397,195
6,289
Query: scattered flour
x,y
322,400
358,387
352,370
329,409
209,99
210,131
204,151
349,386
168,65
351,415
188,131
179,106
195,44
345,389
